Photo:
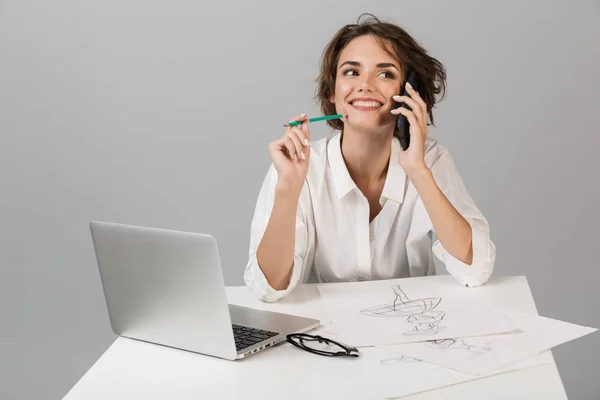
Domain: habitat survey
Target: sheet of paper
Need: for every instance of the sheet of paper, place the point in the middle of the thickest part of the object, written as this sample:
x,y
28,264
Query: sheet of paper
x,y
483,355
390,376
376,313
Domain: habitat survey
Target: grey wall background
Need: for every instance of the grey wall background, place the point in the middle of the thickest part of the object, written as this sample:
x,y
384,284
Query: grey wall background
x,y
158,113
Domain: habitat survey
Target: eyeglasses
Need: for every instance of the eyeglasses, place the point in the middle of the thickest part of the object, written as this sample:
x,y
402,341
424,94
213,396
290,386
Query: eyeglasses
x,y
310,343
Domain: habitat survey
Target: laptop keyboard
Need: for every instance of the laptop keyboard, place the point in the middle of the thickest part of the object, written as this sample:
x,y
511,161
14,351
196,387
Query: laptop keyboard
x,y
246,336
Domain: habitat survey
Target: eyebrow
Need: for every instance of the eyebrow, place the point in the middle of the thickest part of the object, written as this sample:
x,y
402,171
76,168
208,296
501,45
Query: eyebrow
x,y
380,65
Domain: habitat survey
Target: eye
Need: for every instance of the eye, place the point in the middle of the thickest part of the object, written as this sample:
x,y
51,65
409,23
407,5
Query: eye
x,y
388,74
349,70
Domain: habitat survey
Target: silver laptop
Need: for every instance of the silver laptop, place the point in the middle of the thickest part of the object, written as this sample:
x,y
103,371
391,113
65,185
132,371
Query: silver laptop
x,y
166,287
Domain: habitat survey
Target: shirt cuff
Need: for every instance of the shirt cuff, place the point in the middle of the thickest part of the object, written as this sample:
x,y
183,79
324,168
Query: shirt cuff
x,y
257,282
484,255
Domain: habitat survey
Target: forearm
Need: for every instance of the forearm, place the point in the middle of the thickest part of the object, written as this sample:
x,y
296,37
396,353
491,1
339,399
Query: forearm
x,y
453,231
275,253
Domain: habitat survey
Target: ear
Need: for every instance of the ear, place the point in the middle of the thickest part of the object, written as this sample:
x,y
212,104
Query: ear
x,y
331,100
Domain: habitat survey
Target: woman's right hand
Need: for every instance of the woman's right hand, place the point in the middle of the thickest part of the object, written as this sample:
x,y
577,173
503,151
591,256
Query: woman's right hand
x,y
290,155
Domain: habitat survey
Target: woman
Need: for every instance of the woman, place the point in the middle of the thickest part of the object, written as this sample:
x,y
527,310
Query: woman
x,y
356,206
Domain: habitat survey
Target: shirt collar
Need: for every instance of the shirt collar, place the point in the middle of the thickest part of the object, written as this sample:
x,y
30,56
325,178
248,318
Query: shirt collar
x,y
341,177
395,180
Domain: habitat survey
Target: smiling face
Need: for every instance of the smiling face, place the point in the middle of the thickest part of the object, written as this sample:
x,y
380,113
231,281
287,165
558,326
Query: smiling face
x,y
366,79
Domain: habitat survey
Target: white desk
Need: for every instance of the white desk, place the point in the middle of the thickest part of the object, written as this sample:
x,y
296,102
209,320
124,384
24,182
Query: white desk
x,y
131,369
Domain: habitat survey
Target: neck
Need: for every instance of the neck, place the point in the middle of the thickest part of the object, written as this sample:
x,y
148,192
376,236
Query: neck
x,y
366,156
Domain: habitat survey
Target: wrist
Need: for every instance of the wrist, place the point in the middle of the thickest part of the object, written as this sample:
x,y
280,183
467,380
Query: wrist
x,y
288,192
419,174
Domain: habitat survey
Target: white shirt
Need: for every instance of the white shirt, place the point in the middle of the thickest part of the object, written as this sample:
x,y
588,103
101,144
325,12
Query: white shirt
x,y
335,242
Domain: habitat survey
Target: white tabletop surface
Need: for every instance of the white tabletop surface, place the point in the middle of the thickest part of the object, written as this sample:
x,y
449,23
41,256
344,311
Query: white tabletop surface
x,y
132,369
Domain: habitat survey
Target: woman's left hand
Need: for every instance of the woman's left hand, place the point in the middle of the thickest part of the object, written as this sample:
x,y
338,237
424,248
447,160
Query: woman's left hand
x,y
412,160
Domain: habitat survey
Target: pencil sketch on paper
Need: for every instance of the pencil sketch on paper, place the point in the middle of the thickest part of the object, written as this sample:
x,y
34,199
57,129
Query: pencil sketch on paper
x,y
403,359
420,312
459,344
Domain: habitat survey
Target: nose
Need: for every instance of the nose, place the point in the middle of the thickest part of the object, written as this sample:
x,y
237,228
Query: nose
x,y
365,85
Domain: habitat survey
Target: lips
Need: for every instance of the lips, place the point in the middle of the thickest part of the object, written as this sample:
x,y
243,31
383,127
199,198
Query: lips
x,y
365,104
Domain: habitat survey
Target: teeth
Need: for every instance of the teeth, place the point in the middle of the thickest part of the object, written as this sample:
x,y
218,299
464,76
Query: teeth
x,y
366,103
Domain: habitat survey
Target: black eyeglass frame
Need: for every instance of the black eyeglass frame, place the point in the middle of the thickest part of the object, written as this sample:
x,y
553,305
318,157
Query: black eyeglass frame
x,y
349,351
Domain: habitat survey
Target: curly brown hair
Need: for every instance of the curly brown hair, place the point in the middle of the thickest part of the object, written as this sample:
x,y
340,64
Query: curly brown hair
x,y
430,73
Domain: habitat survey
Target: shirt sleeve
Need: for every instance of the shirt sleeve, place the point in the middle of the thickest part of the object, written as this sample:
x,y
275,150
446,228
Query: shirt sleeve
x,y
484,250
253,275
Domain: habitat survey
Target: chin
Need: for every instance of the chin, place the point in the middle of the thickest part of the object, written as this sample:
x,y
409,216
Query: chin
x,y
370,124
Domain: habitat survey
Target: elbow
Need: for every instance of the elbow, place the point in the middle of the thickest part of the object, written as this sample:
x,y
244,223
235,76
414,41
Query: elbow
x,y
281,284
474,280
469,256
475,271
263,288
466,256
261,291
481,268
277,280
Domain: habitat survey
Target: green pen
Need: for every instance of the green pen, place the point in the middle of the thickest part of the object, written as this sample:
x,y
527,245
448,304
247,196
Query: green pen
x,y
323,118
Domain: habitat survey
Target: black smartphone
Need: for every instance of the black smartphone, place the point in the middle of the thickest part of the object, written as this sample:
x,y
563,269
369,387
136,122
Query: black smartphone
x,y
402,121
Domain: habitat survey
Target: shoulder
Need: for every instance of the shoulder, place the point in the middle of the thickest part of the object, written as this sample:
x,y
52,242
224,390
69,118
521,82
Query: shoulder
x,y
318,148
319,155
434,152
318,164
441,163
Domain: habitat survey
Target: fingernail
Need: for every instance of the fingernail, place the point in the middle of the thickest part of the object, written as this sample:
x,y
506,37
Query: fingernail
x,y
409,85
306,142
303,155
303,115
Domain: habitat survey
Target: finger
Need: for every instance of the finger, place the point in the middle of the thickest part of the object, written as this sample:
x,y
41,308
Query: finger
x,y
421,118
293,134
297,118
411,119
415,95
291,148
416,107
304,127
278,146
302,136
